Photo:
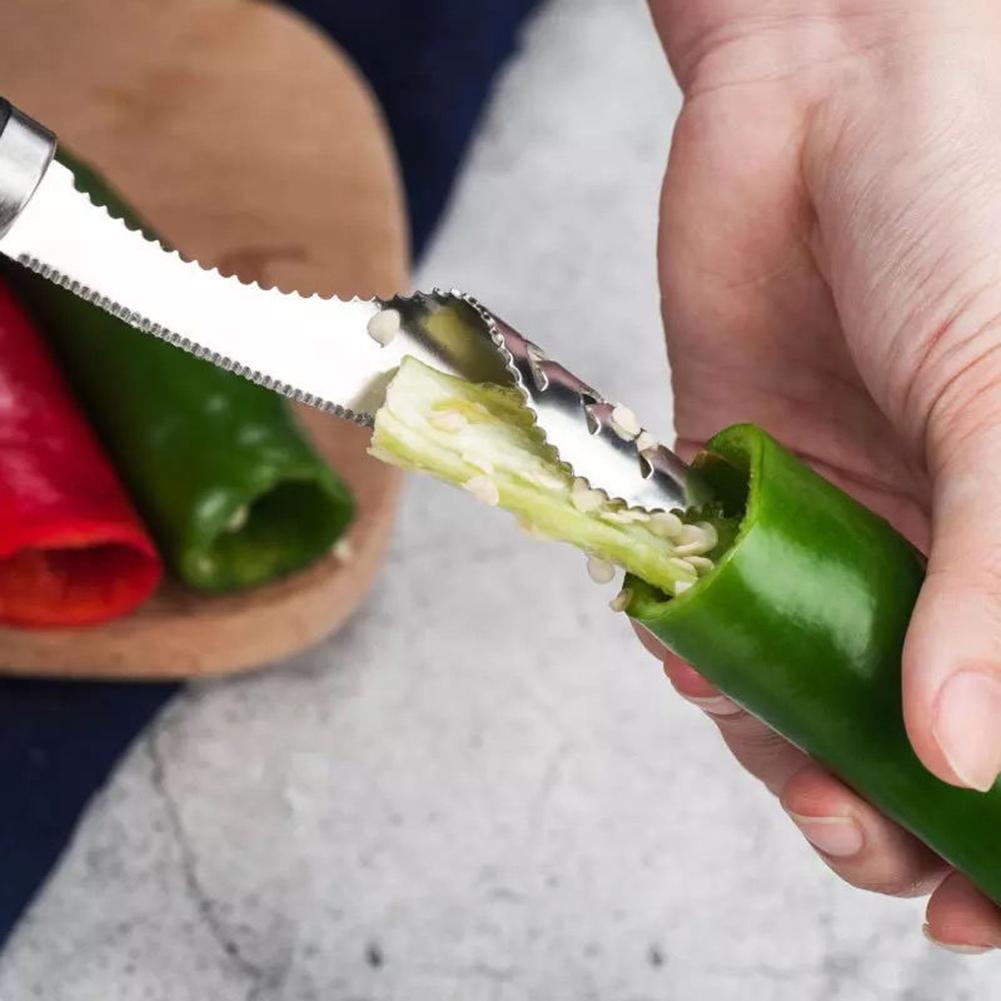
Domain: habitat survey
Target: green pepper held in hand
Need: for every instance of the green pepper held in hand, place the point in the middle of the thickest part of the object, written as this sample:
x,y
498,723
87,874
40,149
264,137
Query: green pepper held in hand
x,y
229,485
802,622
791,597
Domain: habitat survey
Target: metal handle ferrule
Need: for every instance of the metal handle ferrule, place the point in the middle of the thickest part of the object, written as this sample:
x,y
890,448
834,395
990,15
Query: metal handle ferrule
x,y
26,150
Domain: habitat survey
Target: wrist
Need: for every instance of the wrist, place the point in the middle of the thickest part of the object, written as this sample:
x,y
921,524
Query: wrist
x,y
767,39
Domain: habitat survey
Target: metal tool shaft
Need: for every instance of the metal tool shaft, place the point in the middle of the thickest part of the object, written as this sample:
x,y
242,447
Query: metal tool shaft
x,y
309,348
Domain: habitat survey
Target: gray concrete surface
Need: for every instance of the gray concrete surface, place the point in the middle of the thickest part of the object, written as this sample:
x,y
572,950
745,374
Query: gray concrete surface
x,y
482,790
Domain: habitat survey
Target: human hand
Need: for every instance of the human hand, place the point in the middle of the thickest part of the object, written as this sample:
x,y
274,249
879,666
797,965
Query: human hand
x,y
831,269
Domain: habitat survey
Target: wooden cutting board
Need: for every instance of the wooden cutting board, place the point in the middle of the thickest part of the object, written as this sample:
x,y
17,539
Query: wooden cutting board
x,y
249,142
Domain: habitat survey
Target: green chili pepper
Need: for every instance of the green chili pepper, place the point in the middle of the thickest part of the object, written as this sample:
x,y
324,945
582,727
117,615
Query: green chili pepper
x,y
802,621
229,485
786,593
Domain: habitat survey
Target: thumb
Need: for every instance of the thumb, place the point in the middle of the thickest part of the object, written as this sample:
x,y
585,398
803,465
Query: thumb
x,y
952,656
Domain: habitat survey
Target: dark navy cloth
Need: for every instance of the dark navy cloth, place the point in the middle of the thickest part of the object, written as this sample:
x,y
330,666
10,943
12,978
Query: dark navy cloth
x,y
58,741
431,63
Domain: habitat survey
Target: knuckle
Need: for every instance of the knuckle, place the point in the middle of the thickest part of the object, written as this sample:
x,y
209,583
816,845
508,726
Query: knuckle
x,y
889,875
984,580
764,755
802,788
977,582
748,729
938,359
891,884
955,388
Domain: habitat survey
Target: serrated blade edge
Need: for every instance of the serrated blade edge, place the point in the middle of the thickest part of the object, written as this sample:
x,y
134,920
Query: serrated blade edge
x,y
309,348
317,349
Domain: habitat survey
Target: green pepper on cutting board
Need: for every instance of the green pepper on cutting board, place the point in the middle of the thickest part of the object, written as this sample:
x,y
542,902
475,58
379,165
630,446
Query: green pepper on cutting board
x,y
790,596
230,487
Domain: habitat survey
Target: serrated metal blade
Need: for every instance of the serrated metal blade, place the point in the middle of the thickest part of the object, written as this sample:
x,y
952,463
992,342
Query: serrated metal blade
x,y
317,349
310,348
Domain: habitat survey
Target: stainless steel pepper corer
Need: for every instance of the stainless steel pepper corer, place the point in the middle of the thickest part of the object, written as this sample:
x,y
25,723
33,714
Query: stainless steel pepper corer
x,y
326,352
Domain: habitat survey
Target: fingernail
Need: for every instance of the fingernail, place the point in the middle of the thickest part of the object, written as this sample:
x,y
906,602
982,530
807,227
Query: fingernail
x,y
716,705
839,837
963,950
967,727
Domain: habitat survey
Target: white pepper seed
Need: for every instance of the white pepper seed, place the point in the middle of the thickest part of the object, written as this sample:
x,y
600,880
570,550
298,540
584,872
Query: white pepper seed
x,y
625,423
682,586
238,520
696,540
542,477
384,326
625,516
344,550
666,525
701,564
481,463
599,570
585,499
483,489
646,442
204,565
689,535
533,531
447,420
682,567
639,516
621,601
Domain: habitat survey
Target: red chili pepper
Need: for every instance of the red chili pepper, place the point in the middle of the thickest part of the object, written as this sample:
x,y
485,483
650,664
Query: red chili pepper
x,y
72,548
